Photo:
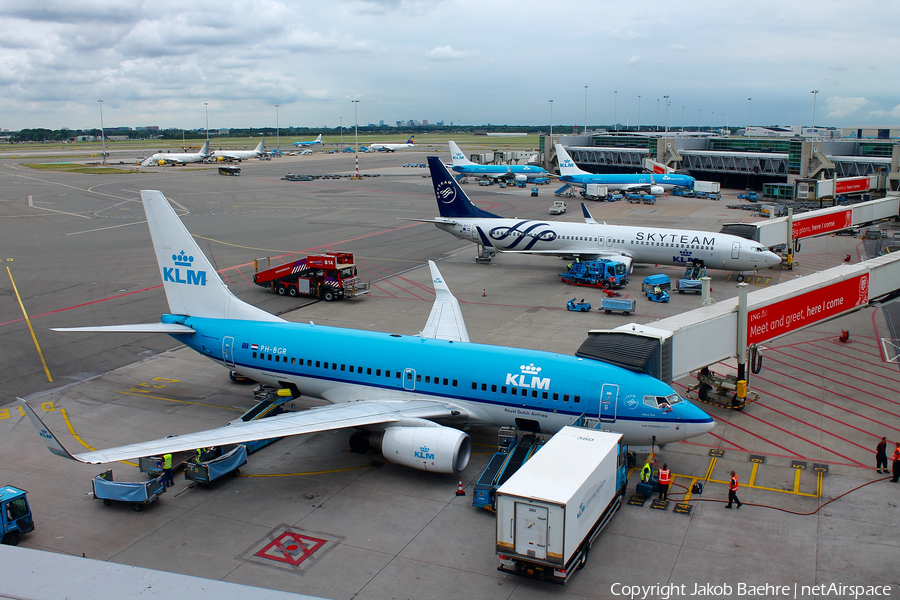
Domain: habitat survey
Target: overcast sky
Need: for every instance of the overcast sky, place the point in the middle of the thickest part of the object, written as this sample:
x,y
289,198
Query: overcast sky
x,y
499,62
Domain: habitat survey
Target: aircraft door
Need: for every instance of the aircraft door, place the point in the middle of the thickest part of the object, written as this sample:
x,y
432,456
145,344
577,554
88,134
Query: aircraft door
x,y
609,400
735,250
531,530
609,242
409,379
599,240
227,347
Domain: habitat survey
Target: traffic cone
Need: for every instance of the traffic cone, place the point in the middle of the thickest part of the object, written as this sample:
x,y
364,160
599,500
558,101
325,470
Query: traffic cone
x,y
459,490
484,293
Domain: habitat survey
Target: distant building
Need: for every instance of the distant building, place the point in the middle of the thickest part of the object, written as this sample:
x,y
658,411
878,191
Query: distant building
x,y
872,132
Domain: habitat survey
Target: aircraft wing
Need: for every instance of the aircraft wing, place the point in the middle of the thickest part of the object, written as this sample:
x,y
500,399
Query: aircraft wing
x,y
138,328
325,418
636,187
445,321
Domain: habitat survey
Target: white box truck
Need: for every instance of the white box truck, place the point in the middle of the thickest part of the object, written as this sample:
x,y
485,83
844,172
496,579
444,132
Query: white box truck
x,y
710,187
595,191
554,507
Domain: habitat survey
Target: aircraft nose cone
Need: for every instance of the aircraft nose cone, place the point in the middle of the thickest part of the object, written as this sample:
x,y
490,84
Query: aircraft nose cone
x,y
772,259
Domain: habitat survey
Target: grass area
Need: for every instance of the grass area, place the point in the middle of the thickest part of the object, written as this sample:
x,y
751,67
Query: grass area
x,y
74,168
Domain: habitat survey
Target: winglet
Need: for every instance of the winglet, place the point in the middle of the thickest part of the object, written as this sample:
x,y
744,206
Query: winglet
x,y
587,215
445,322
53,444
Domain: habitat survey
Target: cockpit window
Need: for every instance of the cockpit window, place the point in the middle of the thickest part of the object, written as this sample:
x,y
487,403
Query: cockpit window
x,y
662,402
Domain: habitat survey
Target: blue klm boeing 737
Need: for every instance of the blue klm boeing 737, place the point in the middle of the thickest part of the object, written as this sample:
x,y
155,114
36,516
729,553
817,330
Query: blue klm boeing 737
x,y
641,182
404,394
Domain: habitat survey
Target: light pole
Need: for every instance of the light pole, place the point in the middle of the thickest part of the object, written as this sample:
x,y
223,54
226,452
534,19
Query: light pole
x,y
712,120
814,93
639,114
206,104
356,129
657,114
277,130
551,121
682,119
699,118
749,114
342,132
666,98
616,110
102,134
585,108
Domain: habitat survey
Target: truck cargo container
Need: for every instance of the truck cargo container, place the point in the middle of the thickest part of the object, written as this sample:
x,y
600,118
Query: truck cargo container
x,y
550,512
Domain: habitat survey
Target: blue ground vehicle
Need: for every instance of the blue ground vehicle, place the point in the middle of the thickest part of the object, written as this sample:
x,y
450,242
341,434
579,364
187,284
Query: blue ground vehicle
x,y
627,307
596,273
657,287
576,306
749,196
137,493
207,472
15,514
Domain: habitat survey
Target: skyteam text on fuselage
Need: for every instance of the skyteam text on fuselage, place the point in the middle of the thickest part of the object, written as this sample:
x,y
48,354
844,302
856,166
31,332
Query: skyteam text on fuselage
x,y
405,394
647,182
462,165
589,240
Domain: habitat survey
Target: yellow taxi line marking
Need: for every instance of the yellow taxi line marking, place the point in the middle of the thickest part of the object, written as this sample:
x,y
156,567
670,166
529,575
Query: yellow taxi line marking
x,y
753,474
180,401
65,417
30,328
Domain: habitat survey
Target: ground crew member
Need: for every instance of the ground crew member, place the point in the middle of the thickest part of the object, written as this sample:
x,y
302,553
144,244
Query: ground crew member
x,y
200,452
733,486
168,480
896,466
881,456
665,478
657,290
646,472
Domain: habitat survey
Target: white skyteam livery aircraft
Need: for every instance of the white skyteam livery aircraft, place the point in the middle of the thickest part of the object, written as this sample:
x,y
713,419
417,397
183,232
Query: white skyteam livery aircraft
x,y
392,147
403,393
177,157
240,155
590,239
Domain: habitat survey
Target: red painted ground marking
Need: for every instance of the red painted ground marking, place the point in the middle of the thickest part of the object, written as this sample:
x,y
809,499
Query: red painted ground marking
x,y
85,304
839,383
839,364
768,441
819,429
892,369
291,548
814,399
800,437
728,442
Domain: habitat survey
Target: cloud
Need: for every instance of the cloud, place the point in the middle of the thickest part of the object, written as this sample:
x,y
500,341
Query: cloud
x,y
894,112
843,107
448,53
627,36
635,60
678,48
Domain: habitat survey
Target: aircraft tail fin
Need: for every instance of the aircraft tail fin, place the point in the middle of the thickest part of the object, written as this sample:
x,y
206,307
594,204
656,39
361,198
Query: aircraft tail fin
x,y
192,285
451,199
459,159
411,140
587,215
204,151
318,140
260,146
566,164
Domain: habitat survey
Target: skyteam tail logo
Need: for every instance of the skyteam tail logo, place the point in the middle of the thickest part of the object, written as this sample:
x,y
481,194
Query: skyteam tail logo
x,y
190,277
528,377
425,453
445,192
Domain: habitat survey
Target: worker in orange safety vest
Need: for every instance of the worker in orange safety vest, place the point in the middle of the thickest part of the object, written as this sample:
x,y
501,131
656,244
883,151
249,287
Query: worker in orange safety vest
x,y
733,486
665,478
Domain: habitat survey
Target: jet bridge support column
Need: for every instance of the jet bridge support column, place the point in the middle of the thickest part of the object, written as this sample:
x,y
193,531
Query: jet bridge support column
x,y
742,336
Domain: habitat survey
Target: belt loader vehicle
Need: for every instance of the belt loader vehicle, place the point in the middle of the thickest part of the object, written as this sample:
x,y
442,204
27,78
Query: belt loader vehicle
x,y
553,508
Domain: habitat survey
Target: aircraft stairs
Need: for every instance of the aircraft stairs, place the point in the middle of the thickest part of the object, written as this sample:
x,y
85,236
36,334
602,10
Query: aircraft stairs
x,y
694,272
566,191
511,454
269,403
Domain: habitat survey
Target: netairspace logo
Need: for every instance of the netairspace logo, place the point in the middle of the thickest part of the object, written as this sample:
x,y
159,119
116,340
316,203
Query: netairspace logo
x,y
741,590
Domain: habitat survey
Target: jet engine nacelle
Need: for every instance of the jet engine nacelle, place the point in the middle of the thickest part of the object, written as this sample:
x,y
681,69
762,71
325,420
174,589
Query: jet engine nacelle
x,y
520,177
436,448
657,190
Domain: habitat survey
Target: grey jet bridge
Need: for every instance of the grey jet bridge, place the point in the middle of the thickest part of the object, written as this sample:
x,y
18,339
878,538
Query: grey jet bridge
x,y
671,348
787,230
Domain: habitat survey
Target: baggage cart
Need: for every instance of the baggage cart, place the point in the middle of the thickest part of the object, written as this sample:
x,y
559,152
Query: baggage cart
x,y
138,494
207,472
627,307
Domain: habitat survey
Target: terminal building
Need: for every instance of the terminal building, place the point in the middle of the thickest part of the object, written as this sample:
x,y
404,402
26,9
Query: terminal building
x,y
772,160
